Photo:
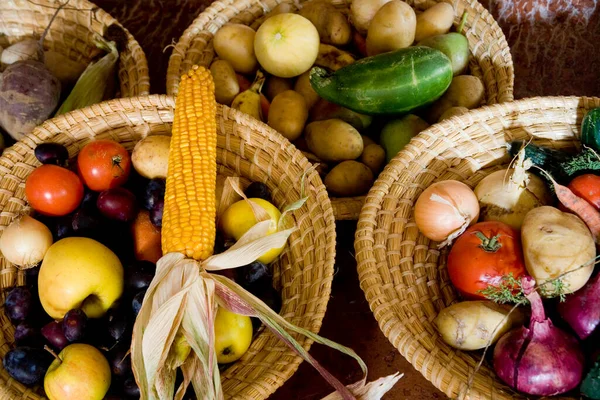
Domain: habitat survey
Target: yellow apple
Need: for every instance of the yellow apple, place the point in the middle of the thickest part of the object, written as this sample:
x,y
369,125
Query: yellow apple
x,y
80,373
79,273
238,218
233,335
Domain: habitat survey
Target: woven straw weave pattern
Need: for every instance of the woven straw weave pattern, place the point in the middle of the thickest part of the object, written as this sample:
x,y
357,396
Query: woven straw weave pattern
x,y
491,59
72,34
245,148
402,273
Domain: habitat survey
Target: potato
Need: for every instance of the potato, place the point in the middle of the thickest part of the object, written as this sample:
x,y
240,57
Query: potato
x,y
280,8
362,13
469,325
367,140
275,85
436,20
324,109
332,25
453,112
349,178
554,243
303,87
288,114
333,140
150,156
464,91
393,27
226,82
235,43
373,156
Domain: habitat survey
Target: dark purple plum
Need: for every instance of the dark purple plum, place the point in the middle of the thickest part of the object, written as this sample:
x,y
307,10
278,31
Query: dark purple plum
x,y
89,198
18,304
118,204
258,190
155,192
27,365
120,362
156,213
139,275
130,388
26,335
136,303
86,222
74,324
51,153
253,274
53,332
117,323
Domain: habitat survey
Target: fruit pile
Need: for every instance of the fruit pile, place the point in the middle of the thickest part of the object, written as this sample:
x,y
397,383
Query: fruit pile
x,y
350,91
90,249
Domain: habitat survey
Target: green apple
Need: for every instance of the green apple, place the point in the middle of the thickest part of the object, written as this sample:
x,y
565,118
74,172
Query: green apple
x,y
79,273
233,335
454,45
79,373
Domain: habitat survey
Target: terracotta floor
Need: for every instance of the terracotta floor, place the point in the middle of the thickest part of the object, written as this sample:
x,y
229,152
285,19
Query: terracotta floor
x,y
556,48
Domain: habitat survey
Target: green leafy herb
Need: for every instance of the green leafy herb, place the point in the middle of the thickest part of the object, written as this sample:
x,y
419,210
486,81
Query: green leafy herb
x,y
590,387
553,288
509,290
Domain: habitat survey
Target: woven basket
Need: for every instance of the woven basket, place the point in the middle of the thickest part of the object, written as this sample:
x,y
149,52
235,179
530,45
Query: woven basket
x,y
491,59
71,34
402,273
246,148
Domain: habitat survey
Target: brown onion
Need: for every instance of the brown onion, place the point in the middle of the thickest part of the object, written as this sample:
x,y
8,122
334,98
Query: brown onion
x,y
445,209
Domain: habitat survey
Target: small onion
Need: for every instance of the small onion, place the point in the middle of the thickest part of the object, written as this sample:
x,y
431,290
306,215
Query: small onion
x,y
445,209
25,242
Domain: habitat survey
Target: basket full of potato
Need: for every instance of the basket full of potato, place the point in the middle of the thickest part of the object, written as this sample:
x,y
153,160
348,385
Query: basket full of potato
x,y
348,83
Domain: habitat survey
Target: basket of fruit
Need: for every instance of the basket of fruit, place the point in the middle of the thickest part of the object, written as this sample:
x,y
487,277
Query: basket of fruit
x,y
337,81
57,56
476,250
91,187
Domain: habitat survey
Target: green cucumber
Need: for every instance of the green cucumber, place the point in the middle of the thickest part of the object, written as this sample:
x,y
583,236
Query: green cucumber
x,y
390,83
590,129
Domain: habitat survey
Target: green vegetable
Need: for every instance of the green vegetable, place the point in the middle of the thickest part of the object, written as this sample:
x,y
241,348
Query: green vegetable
x,y
95,83
590,387
590,129
389,83
562,166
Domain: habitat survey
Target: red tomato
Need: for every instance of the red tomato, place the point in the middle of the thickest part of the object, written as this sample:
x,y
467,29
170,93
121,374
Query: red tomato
x,y
103,165
53,190
483,255
588,188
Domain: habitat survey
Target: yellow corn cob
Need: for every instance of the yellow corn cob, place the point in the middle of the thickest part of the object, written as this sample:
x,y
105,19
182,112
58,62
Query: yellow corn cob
x,y
188,225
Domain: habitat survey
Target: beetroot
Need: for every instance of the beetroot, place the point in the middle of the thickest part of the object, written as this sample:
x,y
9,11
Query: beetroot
x,y
581,310
541,359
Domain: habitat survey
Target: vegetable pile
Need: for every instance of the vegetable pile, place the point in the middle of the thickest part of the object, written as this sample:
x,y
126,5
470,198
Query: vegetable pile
x,y
526,235
350,92
36,84
90,248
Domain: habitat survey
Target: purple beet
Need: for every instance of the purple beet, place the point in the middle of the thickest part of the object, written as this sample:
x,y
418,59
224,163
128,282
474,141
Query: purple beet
x,y
539,360
581,310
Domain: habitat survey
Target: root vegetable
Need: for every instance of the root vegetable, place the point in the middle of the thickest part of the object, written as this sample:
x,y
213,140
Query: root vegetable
x,y
288,114
581,310
555,243
541,359
472,325
235,43
20,51
392,28
509,194
362,13
332,25
28,95
25,242
445,209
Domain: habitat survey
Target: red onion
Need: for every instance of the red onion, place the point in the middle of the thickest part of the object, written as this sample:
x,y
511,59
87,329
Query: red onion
x,y
541,359
581,310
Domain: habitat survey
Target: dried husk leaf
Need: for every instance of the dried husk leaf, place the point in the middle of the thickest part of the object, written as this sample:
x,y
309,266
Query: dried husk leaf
x,y
260,214
226,195
372,390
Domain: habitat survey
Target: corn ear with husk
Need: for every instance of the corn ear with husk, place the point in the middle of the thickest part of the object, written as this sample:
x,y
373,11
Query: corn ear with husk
x,y
175,326
97,82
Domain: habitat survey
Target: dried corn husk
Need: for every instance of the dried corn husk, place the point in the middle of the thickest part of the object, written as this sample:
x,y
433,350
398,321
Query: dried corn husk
x,y
97,82
183,299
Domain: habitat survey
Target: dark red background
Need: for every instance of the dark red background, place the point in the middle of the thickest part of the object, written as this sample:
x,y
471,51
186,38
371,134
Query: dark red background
x,y
555,45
